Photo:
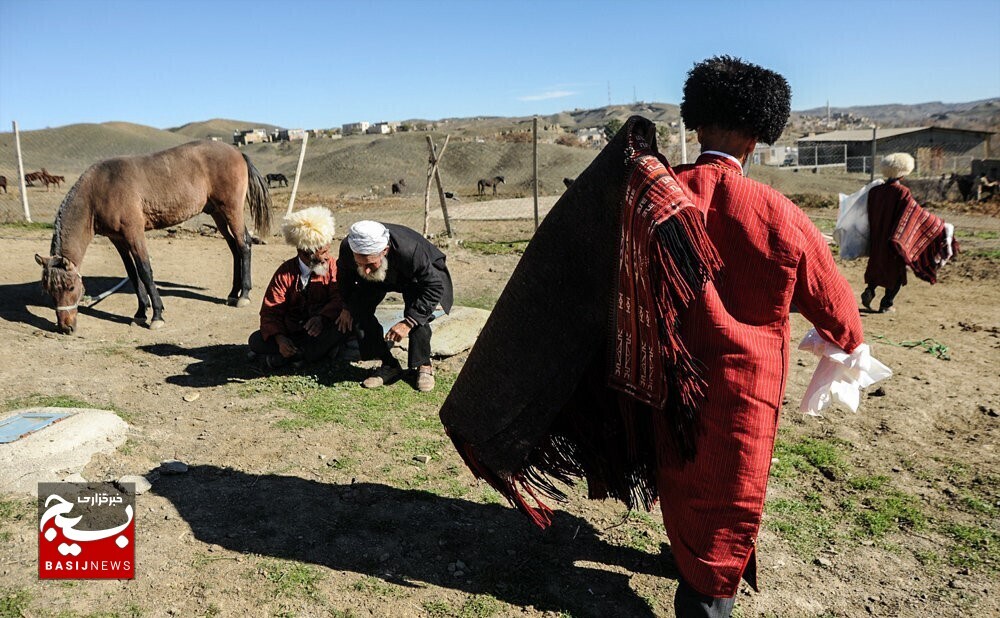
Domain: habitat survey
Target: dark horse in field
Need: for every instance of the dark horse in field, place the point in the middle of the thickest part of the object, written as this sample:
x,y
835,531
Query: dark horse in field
x,y
398,186
3,183
491,182
278,178
122,198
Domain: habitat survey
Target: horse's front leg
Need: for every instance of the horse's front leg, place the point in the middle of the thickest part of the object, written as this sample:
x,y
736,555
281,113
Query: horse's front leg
x,y
137,285
144,270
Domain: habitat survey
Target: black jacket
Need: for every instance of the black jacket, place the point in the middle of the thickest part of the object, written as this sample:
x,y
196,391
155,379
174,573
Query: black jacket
x,y
417,269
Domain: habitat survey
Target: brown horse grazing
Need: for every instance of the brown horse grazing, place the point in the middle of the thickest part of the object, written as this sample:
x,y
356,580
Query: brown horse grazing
x,y
3,183
494,182
122,198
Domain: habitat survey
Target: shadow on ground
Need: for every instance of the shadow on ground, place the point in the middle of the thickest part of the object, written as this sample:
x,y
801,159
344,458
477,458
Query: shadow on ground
x,y
215,365
16,298
409,537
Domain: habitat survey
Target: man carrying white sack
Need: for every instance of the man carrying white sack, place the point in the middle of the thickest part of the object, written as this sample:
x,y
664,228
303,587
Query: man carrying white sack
x,y
376,259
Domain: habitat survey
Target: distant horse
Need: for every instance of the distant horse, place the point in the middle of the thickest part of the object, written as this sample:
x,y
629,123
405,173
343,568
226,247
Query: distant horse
x,y
492,182
398,186
3,183
50,179
568,182
278,178
32,178
121,198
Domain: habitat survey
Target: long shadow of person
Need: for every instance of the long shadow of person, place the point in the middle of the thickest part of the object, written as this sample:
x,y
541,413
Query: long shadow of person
x,y
409,537
215,365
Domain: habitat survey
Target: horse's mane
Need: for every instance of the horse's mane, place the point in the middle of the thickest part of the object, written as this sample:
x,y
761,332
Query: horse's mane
x,y
56,247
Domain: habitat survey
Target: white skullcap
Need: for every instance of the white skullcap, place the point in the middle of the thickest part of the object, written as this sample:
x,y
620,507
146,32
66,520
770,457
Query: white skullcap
x,y
309,229
368,237
896,165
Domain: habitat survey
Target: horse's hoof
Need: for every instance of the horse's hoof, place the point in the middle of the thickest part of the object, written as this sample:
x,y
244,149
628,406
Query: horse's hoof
x,y
140,320
155,324
243,302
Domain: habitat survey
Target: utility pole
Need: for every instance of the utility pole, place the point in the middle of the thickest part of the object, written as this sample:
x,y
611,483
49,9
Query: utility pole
x,y
874,136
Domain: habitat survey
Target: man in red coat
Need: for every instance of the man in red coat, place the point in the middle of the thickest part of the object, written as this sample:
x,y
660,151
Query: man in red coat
x,y
300,308
773,257
886,204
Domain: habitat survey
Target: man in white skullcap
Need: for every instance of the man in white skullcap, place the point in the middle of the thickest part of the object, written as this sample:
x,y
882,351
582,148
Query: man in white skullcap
x,y
300,309
378,258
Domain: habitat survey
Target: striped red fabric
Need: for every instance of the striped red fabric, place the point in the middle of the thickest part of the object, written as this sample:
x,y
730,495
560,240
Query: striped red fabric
x,y
665,260
920,239
773,257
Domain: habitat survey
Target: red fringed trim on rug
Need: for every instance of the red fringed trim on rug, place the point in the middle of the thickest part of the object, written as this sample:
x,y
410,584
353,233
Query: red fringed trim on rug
x,y
666,258
920,239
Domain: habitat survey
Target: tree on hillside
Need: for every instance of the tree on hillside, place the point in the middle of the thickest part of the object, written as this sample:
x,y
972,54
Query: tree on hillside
x,y
611,128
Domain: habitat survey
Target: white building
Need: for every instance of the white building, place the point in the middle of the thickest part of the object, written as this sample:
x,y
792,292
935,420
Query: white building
x,y
383,128
354,128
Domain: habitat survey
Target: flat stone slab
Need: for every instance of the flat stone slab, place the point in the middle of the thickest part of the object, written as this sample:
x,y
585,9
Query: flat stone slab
x,y
453,333
60,451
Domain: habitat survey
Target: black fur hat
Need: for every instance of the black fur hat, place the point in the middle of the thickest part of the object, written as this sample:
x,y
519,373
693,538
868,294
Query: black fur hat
x,y
731,94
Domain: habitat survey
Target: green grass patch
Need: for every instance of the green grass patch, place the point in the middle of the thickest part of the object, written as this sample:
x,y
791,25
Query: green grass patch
x,y
25,225
14,603
887,511
480,606
477,302
982,234
36,400
335,397
290,578
990,254
514,247
805,524
809,454
975,546
438,609
374,586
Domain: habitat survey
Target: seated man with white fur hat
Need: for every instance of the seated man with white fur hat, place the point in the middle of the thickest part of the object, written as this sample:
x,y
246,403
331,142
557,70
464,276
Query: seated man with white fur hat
x,y
300,308
378,258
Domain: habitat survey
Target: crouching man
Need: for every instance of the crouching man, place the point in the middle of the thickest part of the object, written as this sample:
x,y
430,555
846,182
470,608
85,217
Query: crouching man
x,y
299,313
378,258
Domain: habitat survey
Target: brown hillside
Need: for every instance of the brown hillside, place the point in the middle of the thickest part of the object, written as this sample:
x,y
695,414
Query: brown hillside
x,y
221,128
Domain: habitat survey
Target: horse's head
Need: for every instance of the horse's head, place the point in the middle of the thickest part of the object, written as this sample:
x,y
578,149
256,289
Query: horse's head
x,y
63,282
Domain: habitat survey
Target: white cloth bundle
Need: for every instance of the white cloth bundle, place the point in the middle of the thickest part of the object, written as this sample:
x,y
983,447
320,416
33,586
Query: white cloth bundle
x,y
840,376
851,231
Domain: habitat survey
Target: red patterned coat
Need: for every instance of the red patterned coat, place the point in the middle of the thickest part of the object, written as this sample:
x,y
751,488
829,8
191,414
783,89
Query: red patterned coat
x,y
287,305
773,257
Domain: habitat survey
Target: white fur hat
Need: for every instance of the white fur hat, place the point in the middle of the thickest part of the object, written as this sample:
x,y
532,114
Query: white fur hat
x,y
896,165
309,229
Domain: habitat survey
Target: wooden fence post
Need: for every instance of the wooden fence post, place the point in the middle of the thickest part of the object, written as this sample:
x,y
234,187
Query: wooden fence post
x,y
298,172
431,171
534,165
437,179
20,173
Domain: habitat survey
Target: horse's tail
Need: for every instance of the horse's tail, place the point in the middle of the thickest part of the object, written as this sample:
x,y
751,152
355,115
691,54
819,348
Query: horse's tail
x,y
259,198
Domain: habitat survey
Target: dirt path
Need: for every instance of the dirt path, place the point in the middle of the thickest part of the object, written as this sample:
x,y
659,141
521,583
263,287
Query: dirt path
x,y
304,497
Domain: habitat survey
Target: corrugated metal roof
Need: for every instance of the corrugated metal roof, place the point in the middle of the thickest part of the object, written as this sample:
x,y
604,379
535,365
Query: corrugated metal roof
x,y
858,135
865,135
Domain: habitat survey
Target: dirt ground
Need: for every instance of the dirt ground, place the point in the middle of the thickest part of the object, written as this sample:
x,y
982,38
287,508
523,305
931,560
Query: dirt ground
x,y
303,496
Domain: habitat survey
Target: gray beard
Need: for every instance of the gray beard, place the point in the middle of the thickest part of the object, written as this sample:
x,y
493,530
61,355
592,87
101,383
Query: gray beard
x,y
379,275
320,269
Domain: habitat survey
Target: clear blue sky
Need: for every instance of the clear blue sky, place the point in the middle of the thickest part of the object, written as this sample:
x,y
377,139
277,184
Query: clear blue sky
x,y
316,64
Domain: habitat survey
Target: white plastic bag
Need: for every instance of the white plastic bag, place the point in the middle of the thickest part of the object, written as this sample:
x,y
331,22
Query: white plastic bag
x,y
840,376
851,231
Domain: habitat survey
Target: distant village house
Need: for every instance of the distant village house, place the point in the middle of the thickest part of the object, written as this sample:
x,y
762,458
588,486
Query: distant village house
x,y
242,137
354,128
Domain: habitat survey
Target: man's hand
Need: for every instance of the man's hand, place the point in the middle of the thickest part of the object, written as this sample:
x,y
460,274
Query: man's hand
x,y
285,346
398,332
314,326
344,321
